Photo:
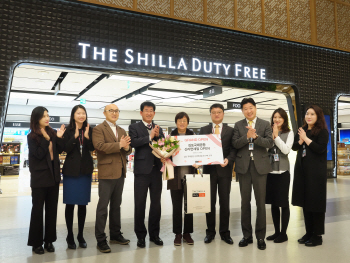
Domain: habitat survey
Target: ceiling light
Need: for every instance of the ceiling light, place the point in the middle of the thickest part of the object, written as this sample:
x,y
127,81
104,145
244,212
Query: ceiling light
x,y
134,79
18,95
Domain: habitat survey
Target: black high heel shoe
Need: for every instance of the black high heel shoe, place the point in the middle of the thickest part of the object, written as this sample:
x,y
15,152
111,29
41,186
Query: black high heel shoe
x,y
71,244
82,242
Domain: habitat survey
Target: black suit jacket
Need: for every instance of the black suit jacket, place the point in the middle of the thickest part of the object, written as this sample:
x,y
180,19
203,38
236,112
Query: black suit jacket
x,y
76,163
42,174
228,151
143,159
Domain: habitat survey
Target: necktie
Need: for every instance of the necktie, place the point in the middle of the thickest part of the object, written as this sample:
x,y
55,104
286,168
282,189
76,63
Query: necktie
x,y
149,126
217,130
250,123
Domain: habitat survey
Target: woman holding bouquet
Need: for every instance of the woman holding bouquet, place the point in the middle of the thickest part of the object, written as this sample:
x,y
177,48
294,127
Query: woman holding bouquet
x,y
176,188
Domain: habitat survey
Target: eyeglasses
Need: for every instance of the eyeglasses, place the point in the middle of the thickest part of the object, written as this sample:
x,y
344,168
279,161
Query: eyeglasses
x,y
181,121
146,111
113,111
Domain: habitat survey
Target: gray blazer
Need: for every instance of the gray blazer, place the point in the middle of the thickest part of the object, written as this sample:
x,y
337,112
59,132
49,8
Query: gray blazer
x,y
261,144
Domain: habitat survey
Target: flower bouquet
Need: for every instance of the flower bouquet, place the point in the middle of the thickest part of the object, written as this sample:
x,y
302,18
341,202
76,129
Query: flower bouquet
x,y
165,148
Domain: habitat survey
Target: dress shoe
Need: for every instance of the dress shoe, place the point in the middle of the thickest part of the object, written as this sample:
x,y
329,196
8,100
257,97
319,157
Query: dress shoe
x,y
188,239
156,240
38,250
82,242
49,247
261,244
103,246
281,238
227,239
208,239
314,241
119,239
245,241
273,237
141,242
71,244
178,240
305,238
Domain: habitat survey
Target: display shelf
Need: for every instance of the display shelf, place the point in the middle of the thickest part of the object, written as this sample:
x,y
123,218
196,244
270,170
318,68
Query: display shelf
x,y
10,154
343,158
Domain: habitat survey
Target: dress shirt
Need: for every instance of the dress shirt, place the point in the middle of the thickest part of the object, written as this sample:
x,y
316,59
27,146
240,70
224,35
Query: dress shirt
x,y
253,126
145,123
113,127
220,127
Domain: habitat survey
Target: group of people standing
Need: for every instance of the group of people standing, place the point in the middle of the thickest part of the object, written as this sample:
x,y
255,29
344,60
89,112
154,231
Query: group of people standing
x,y
258,149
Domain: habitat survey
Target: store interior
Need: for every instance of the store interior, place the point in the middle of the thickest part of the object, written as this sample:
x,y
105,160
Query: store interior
x,y
59,89
343,136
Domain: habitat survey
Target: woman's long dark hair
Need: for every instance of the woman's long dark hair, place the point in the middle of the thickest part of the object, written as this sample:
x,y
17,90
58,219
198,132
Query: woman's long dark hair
x,y
284,115
35,132
320,123
72,121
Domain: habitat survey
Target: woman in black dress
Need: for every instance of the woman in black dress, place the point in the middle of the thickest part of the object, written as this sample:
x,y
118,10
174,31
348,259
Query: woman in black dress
x,y
277,185
77,172
44,145
310,174
177,190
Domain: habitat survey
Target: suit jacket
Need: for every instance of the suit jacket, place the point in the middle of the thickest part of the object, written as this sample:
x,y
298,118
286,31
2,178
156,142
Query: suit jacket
x,y
111,158
42,174
75,163
261,144
143,159
310,173
228,150
176,184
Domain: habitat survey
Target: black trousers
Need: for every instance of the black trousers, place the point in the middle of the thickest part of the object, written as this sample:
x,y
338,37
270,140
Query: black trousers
x,y
314,222
109,192
48,197
143,182
219,186
176,198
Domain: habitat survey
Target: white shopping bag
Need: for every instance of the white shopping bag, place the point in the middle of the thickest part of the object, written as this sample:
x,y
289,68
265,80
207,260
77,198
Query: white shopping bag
x,y
197,193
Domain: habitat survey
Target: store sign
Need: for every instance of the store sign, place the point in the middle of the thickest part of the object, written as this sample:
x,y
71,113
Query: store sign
x,y
17,124
55,118
233,105
212,91
82,101
132,57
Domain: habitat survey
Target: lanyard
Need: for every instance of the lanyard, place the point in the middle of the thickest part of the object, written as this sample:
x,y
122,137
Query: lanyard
x,y
82,138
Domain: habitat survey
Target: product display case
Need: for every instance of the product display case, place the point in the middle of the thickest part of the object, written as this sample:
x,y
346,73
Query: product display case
x,y
343,167
10,158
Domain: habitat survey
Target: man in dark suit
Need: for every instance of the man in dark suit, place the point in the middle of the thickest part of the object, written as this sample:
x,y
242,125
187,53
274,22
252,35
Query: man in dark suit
x,y
252,136
112,145
147,175
220,176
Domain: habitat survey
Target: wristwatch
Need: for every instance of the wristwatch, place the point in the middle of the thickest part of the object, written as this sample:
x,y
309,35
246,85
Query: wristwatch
x,y
257,136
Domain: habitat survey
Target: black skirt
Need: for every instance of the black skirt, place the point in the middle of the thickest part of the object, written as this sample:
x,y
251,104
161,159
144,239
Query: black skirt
x,y
277,189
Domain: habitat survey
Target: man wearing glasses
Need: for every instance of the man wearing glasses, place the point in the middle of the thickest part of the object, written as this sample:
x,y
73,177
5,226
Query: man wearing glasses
x,y
112,146
147,175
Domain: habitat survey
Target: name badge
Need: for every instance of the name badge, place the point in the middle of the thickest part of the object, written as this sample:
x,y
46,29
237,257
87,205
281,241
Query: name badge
x,y
251,146
304,153
276,157
81,149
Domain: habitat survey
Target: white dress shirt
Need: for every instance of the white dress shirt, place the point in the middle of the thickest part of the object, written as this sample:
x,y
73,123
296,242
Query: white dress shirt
x,y
253,126
113,127
220,127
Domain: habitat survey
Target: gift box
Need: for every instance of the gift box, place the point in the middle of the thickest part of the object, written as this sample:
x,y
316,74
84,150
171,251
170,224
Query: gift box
x,y
197,193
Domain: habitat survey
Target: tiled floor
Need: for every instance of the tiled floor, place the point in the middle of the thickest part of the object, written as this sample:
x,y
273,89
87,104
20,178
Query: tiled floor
x,y
15,207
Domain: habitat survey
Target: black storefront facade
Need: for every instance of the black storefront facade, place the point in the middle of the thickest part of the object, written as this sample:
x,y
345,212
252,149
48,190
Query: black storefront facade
x,y
80,35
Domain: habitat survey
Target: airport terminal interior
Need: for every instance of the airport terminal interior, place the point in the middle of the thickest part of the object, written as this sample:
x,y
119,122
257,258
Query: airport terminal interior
x,y
59,89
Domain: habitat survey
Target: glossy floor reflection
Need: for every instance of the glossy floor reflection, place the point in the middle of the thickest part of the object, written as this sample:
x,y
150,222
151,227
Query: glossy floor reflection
x,y
15,207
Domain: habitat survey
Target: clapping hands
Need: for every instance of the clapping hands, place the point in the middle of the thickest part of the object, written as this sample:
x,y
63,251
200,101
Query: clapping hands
x,y
125,142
